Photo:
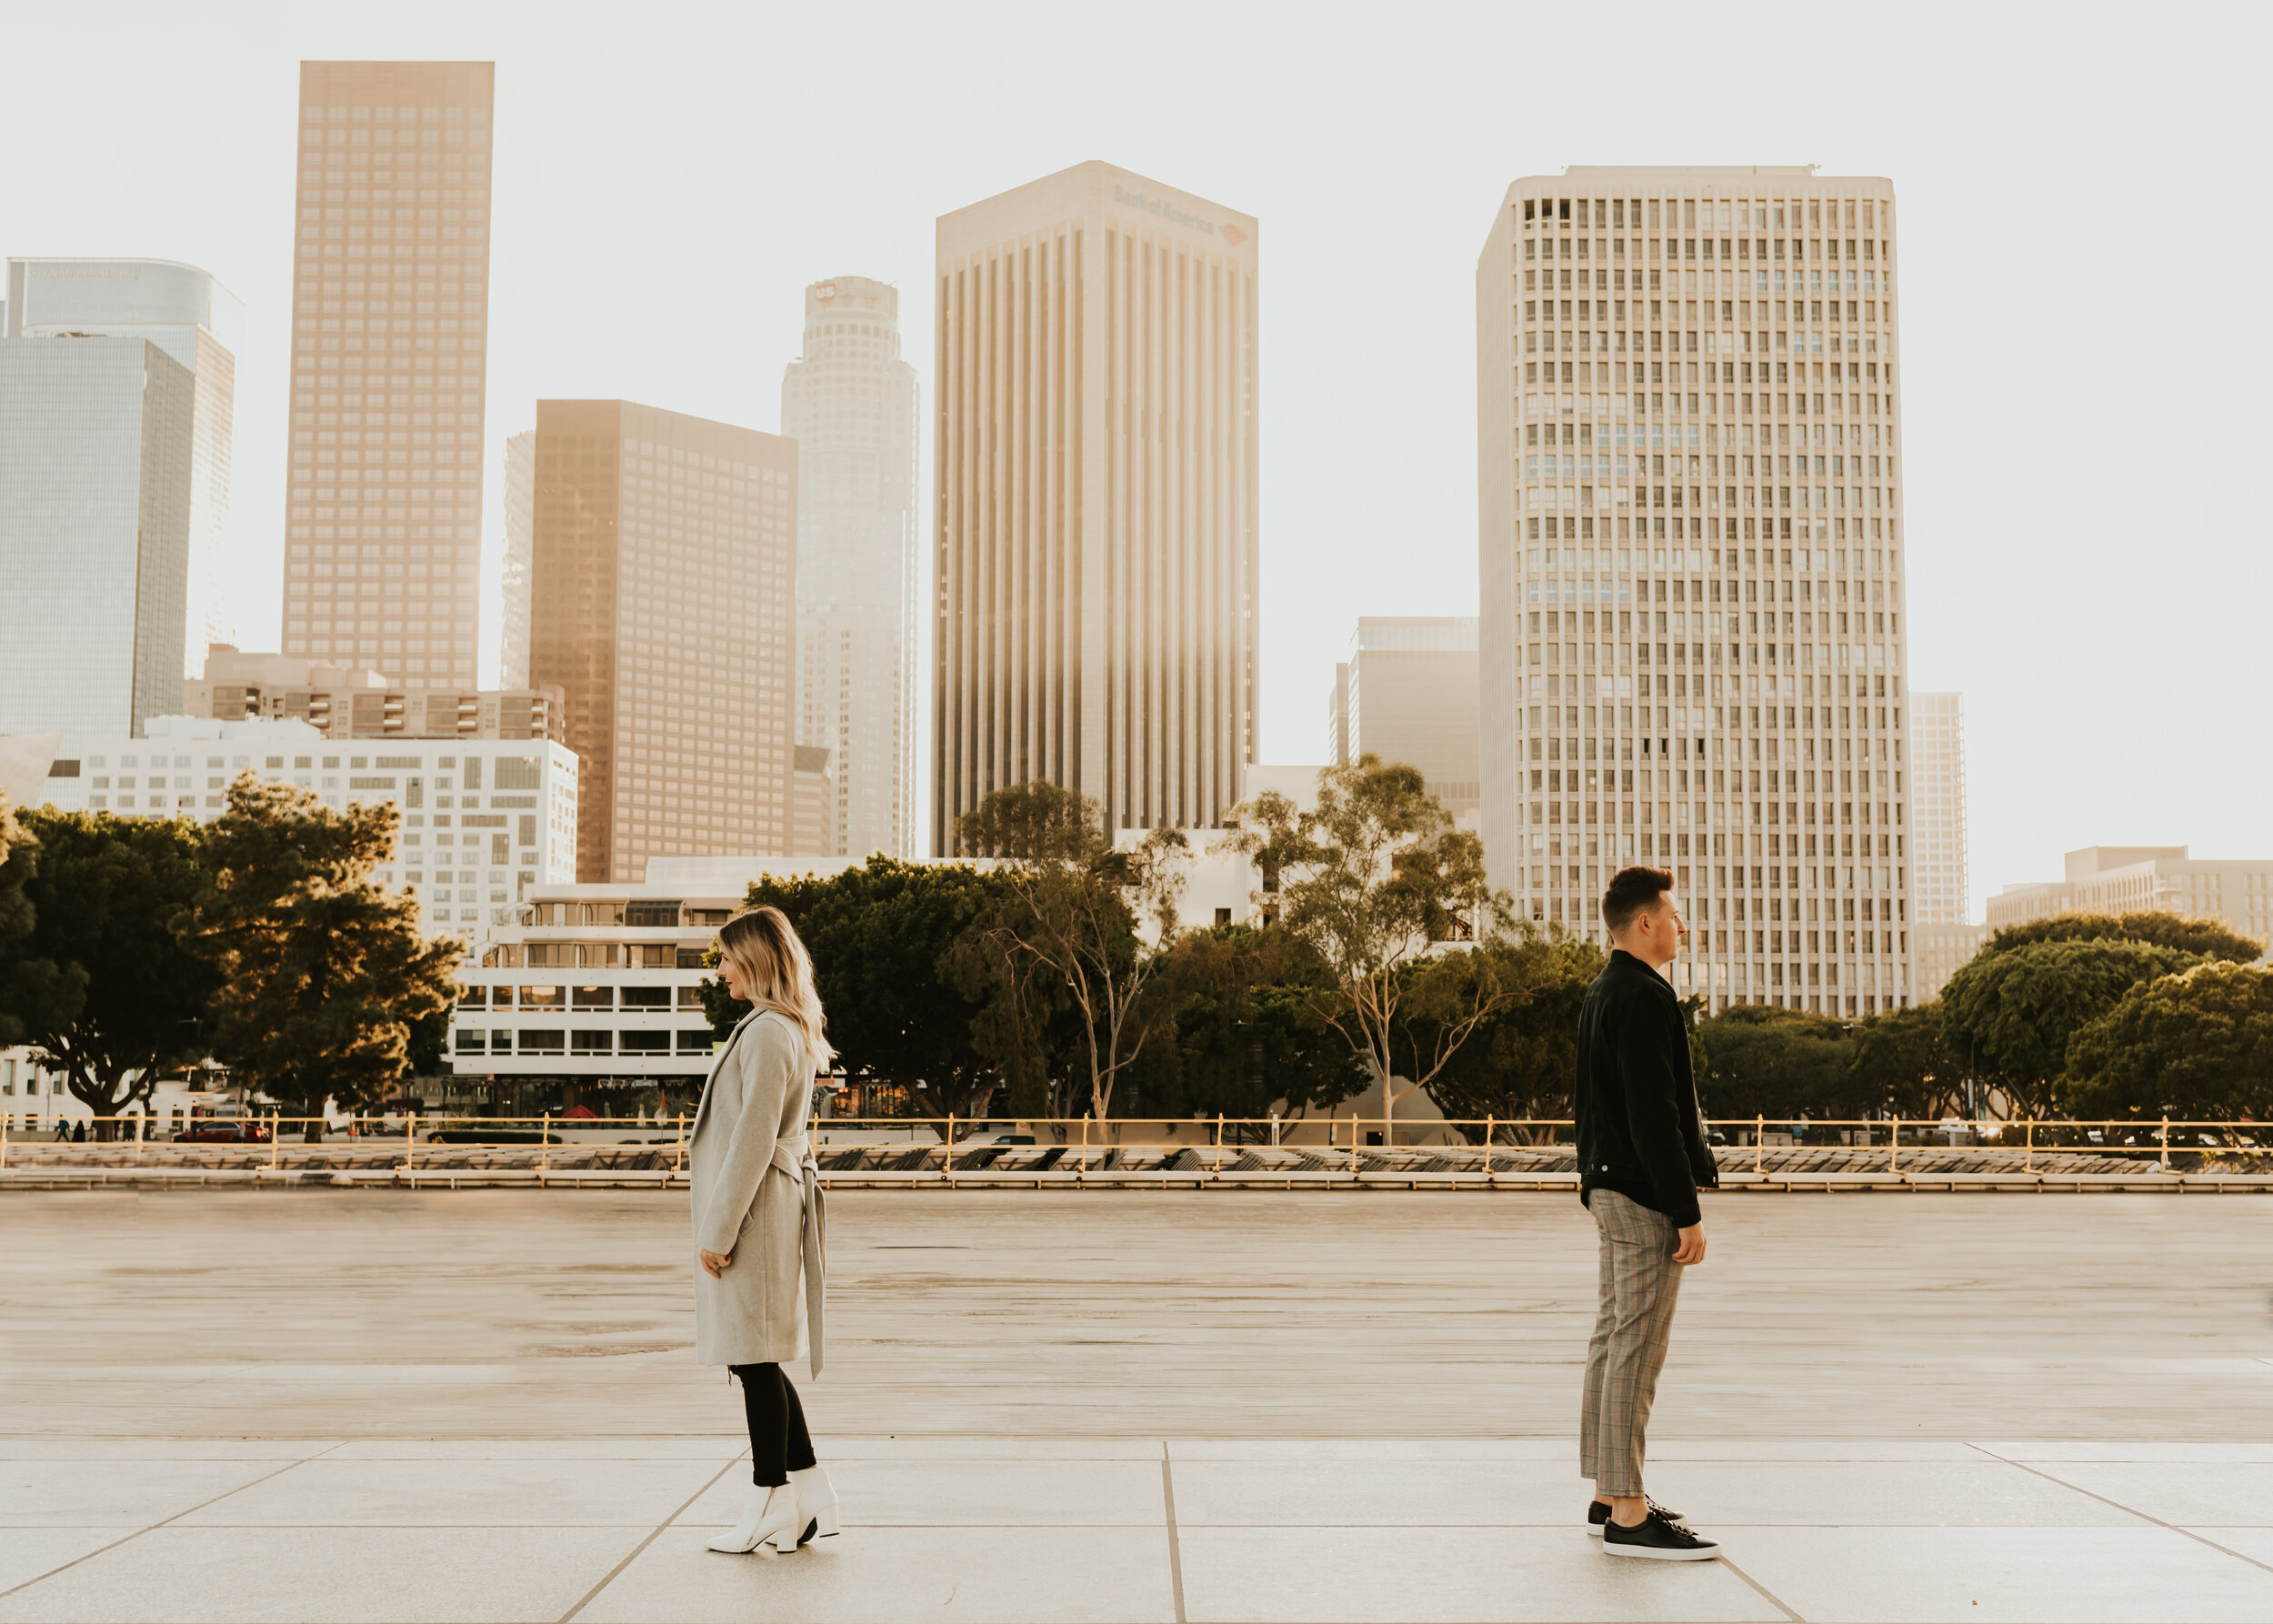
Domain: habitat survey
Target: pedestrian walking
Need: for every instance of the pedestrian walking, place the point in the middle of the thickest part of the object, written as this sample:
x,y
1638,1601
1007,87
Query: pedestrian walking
x,y
758,1223
1641,1158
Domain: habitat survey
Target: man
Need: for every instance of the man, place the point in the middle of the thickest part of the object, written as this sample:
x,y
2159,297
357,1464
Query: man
x,y
1641,1157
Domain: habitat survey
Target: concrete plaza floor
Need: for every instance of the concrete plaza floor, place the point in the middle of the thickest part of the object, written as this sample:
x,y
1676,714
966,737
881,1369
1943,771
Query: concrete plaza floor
x,y
377,1405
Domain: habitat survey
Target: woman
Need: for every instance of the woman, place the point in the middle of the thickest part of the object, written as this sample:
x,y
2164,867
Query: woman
x,y
758,1223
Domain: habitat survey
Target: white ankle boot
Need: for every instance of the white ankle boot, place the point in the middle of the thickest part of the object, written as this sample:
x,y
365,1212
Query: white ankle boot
x,y
772,1515
816,1501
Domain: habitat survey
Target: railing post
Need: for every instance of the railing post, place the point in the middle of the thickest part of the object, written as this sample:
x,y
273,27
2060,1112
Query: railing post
x,y
545,1148
678,1145
410,1143
1353,1136
1081,1168
276,1138
2029,1153
1217,1169
1894,1143
947,1164
2165,1142
1489,1129
1759,1147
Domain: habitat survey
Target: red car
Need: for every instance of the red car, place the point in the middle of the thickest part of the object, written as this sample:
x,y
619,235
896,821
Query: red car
x,y
223,1130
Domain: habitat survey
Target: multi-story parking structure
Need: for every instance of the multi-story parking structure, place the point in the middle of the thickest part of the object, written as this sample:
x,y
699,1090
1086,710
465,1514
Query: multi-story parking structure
x,y
1691,568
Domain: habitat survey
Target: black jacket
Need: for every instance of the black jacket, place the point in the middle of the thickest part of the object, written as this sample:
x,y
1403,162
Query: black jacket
x,y
1635,1098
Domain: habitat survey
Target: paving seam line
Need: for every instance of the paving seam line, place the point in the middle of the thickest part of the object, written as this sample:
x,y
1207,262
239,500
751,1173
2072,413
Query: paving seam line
x,y
177,1515
2119,1505
1176,1554
610,1576
1766,1594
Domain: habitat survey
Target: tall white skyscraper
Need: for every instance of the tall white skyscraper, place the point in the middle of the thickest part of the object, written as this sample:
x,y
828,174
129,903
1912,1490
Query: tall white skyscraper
x,y
94,512
1408,694
520,493
849,402
200,324
1688,435
1098,518
1939,883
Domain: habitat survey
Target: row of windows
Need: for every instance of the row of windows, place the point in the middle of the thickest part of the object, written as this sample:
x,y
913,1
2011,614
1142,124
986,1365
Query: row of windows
x,y
657,998
1693,718
553,1041
1794,719
1765,215
1584,467
1658,433
1694,248
1600,309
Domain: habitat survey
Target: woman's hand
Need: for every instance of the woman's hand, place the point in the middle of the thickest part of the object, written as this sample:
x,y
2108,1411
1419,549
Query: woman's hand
x,y
715,1262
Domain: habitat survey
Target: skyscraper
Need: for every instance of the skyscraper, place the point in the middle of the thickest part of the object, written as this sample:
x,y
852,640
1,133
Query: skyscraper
x,y
849,402
390,300
200,323
1408,694
96,481
1098,563
512,653
1939,884
1692,639
662,588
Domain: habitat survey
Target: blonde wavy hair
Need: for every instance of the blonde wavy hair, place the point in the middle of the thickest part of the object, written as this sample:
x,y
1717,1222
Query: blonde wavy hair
x,y
778,971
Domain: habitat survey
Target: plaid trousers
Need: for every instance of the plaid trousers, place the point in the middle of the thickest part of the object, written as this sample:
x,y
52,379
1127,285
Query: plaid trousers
x,y
1640,1282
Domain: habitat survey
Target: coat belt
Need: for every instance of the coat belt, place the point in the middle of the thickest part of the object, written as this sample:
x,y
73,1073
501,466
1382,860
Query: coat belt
x,y
793,1156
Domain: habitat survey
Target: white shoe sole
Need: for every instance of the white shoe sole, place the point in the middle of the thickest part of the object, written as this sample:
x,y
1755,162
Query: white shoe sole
x,y
1658,1554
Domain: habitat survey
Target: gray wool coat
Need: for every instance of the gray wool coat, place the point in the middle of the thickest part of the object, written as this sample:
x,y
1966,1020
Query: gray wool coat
x,y
747,1202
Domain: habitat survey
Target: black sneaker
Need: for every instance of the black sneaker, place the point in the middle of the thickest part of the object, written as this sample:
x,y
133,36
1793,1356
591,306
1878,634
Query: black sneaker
x,y
1660,1537
1599,1514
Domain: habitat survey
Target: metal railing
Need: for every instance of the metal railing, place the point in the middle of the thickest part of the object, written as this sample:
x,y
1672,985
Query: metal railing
x,y
1529,1152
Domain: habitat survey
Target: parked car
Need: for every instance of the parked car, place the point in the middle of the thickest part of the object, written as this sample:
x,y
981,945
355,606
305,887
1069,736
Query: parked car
x,y
223,1130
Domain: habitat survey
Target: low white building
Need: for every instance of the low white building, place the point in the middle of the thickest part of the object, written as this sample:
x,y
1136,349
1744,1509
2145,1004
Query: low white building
x,y
2119,879
484,823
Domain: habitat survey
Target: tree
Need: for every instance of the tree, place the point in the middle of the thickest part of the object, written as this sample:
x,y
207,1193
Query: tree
x,y
322,974
1519,1062
2011,1015
1900,1063
2156,928
1247,1041
102,982
885,939
2197,1045
1377,879
1780,1064
19,856
1079,899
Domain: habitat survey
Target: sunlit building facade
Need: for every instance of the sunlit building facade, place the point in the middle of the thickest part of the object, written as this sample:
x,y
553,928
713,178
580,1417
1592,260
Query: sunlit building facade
x,y
1938,880
663,583
1097,501
1691,563
390,302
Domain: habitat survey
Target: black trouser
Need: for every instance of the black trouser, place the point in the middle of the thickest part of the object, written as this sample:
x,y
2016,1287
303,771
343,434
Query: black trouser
x,y
779,1443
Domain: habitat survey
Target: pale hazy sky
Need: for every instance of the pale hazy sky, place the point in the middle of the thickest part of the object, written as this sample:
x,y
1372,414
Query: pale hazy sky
x,y
2082,231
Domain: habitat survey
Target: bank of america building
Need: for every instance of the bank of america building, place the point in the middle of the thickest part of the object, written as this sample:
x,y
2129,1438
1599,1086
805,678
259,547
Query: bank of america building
x,y
1691,563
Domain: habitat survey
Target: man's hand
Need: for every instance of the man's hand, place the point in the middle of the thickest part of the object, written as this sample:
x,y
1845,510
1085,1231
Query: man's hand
x,y
715,1262
1689,1252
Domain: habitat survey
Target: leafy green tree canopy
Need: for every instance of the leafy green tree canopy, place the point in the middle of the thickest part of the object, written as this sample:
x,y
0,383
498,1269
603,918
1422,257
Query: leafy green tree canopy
x,y
2011,1015
1756,1060
1079,899
1246,1040
322,973
2157,927
1375,879
1519,1060
103,981
2198,1045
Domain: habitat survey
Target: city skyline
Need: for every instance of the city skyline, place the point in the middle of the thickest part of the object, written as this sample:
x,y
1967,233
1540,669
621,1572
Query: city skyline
x,y
1365,311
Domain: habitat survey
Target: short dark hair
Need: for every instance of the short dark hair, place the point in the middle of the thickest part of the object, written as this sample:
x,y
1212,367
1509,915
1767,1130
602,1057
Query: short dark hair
x,y
1634,891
